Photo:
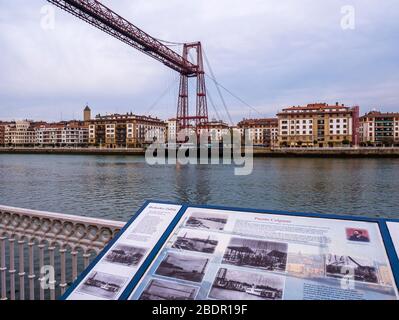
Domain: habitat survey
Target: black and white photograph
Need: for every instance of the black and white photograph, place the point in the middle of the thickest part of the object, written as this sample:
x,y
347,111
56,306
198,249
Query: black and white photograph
x,y
241,285
166,290
351,268
256,253
125,255
209,221
196,241
103,285
189,268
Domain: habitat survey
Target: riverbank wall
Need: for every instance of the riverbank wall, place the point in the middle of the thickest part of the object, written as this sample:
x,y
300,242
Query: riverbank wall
x,y
76,151
330,153
257,152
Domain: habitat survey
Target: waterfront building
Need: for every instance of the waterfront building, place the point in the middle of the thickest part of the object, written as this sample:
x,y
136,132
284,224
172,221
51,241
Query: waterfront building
x,y
377,128
2,133
62,134
261,131
215,130
125,131
318,125
171,129
19,133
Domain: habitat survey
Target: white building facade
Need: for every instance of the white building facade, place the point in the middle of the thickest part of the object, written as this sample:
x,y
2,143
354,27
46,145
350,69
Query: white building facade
x,y
127,130
262,132
215,130
171,128
19,133
379,128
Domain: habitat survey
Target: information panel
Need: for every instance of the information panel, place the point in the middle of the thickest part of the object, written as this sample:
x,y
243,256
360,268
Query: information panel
x,y
173,252
217,254
394,232
115,269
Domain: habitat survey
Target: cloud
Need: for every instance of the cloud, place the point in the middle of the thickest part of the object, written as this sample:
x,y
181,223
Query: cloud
x,y
270,53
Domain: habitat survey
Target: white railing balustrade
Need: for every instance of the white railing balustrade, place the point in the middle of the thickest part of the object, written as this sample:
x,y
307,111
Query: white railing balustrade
x,y
42,253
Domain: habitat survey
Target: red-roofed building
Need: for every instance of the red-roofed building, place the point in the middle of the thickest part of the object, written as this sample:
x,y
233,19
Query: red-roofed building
x,y
261,131
62,134
380,128
19,133
318,125
125,130
215,130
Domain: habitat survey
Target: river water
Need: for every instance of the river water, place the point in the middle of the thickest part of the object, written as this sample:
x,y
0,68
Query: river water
x,y
114,187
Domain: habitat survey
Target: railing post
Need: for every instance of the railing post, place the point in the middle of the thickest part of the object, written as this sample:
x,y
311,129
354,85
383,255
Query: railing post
x,y
63,283
12,271
52,283
3,268
41,265
74,254
86,261
21,273
31,275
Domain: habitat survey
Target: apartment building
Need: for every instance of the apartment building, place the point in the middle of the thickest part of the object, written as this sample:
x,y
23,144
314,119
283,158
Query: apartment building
x,y
319,125
215,130
2,133
171,129
262,132
377,128
62,134
127,130
19,133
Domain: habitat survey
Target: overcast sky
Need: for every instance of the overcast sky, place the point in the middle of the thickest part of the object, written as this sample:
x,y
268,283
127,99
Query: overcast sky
x,y
270,53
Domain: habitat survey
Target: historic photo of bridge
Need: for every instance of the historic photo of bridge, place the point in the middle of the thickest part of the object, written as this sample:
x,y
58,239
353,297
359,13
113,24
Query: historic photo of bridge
x,y
183,267
103,285
339,266
126,255
196,241
166,290
242,285
209,221
257,254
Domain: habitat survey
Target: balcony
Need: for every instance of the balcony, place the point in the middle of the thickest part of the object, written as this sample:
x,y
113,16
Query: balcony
x,y
42,253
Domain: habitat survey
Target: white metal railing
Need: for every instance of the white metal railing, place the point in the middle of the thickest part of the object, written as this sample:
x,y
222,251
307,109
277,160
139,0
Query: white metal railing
x,y
31,240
